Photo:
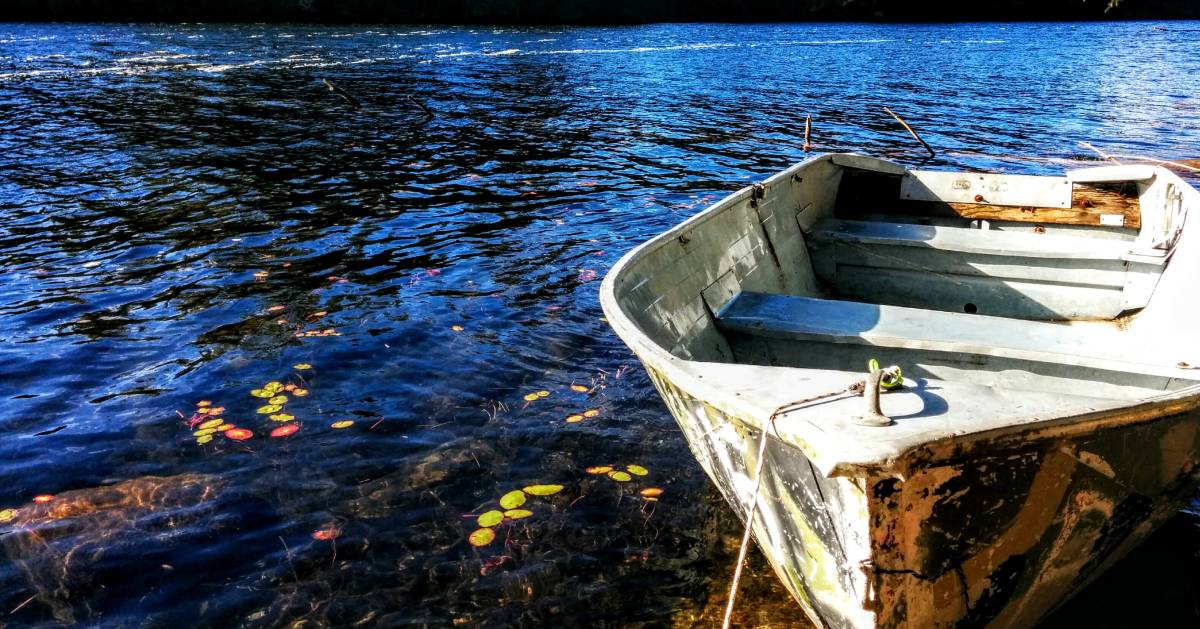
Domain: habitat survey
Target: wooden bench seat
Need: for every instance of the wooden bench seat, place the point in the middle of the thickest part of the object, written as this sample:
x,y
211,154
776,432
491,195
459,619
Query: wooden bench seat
x,y
1092,346
994,272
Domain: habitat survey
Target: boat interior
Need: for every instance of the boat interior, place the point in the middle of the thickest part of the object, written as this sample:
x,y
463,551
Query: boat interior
x,y
1076,285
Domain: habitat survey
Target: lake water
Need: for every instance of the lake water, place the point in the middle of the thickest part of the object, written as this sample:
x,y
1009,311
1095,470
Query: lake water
x,y
187,214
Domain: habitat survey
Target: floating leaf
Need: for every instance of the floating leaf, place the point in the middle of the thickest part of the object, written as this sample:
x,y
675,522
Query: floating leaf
x,y
278,399
262,393
491,518
543,490
517,514
345,423
204,439
324,535
620,477
203,403
284,431
574,419
651,492
301,366
43,499
299,392
512,499
290,387
599,469
482,537
212,423
543,394
273,385
282,417
238,434
204,432
591,412
216,410
268,409
579,388
224,427
529,397
8,515
457,328
637,469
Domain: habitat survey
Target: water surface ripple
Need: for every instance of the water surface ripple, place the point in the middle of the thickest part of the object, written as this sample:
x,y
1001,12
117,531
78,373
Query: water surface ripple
x,y
182,205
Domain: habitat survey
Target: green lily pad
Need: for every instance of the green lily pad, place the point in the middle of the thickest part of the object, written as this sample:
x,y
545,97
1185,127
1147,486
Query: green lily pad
x,y
513,499
543,490
491,518
620,477
262,393
637,470
517,514
270,408
482,537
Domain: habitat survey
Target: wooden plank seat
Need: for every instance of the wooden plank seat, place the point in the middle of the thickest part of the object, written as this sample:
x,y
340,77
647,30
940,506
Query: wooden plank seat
x,y
795,318
1002,273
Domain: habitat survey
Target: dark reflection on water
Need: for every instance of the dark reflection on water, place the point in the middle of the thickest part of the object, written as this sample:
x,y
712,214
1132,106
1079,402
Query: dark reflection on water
x,y
180,201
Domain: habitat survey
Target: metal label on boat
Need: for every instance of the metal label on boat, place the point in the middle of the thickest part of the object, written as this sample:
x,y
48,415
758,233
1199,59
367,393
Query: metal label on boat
x,y
985,188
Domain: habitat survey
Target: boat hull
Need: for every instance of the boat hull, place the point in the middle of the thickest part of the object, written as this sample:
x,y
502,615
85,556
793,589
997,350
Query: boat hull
x,y
980,533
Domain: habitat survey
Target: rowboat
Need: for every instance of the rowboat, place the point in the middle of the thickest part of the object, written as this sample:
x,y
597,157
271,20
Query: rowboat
x,y
1038,413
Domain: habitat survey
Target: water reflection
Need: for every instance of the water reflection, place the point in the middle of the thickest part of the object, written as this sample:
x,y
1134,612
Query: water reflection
x,y
180,202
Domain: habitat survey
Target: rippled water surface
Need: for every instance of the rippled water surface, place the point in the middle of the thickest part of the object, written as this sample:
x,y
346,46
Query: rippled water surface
x,y
188,214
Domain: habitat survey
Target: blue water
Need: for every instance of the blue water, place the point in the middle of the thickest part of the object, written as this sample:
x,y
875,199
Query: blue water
x,y
180,202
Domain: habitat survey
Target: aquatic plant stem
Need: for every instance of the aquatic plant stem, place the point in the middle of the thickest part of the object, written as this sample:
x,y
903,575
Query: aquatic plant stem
x,y
911,131
741,558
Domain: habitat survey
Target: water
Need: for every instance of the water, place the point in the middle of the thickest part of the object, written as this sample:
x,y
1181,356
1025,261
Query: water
x,y
180,201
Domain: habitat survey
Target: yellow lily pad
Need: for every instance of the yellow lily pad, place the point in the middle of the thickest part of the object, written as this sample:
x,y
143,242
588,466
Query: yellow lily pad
x,y
212,423
224,427
620,477
517,514
203,440
651,492
299,392
529,397
262,393
282,417
512,499
543,490
301,366
273,385
203,403
599,469
579,388
268,409
491,518
543,394
482,537
591,412
8,515
637,470
457,328
204,431
574,419
345,423
278,399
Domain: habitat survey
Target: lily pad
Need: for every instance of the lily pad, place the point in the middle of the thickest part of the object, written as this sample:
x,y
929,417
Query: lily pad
x,y
282,417
203,403
529,397
203,439
345,423
543,490
278,399
43,499
268,409
513,499
238,434
273,385
651,492
301,366
482,537
261,393
283,431
574,419
579,388
599,469
224,427
491,518
620,477
212,423
543,394
8,515
299,392
637,470
591,412
517,514
457,328
204,432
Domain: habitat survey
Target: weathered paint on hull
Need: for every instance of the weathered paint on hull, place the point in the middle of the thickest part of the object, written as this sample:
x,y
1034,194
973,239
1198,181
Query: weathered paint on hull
x,y
972,534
